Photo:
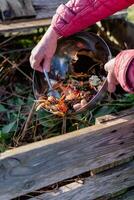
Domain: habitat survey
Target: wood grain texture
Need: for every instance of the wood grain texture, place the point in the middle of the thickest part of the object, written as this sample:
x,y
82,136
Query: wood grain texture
x,y
47,8
3,8
21,8
43,163
129,195
16,8
108,118
24,25
103,186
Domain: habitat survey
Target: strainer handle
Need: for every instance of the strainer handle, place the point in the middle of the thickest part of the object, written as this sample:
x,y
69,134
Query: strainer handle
x,y
48,80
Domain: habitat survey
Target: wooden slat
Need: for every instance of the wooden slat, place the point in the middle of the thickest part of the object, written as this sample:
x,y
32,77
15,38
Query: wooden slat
x,y
129,195
43,163
22,25
44,12
21,8
108,118
16,8
3,8
105,186
47,8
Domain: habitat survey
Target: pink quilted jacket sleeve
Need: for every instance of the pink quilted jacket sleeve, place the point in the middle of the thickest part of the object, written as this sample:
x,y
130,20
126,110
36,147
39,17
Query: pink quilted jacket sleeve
x,y
124,70
76,15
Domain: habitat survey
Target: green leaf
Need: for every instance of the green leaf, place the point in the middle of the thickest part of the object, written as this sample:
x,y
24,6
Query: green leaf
x,y
105,110
2,148
2,108
129,97
20,102
3,137
8,128
30,100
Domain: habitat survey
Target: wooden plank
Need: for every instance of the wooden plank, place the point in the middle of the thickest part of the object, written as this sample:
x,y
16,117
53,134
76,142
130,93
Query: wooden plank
x,y
47,8
129,195
37,165
21,8
126,195
22,25
44,12
16,8
3,8
115,116
104,185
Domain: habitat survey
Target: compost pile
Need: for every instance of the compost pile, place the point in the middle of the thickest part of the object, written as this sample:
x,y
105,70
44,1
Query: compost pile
x,y
78,88
74,94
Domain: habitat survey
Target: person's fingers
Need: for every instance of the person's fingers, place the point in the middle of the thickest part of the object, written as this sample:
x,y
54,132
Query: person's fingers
x,y
112,82
47,64
109,65
37,67
111,87
30,60
33,61
35,64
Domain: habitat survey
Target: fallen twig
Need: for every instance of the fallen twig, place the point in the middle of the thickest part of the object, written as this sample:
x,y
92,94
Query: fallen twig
x,y
26,124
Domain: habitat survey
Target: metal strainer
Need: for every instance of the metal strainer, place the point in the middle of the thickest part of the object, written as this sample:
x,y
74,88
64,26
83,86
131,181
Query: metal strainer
x,y
90,45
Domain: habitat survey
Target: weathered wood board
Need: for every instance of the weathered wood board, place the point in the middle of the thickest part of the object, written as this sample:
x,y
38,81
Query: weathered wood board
x,y
37,165
129,195
108,118
47,8
17,26
104,185
41,9
10,9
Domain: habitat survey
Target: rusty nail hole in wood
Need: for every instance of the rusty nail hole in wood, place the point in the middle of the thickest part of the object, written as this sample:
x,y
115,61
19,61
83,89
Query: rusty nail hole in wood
x,y
113,131
122,142
121,154
118,175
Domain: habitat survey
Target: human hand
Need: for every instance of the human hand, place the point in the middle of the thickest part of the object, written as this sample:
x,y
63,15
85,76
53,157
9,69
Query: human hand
x,y
111,79
43,52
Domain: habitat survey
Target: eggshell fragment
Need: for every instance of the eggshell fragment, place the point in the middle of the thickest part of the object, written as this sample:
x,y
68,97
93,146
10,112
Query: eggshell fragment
x,y
83,102
76,106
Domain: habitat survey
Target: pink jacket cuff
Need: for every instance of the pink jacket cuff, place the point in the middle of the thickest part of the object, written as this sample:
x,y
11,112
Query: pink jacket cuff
x,y
124,70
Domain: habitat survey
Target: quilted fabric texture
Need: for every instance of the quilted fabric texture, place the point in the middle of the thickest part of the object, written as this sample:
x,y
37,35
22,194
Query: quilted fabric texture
x,y
76,15
124,70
